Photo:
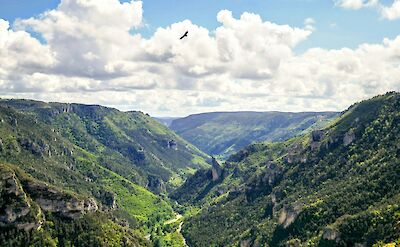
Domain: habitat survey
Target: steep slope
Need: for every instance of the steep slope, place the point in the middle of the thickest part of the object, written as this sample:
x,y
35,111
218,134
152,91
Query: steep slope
x,y
129,143
78,154
339,186
224,133
37,214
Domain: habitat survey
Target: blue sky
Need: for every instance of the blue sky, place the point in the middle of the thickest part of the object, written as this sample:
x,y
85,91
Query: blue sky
x,y
88,52
335,27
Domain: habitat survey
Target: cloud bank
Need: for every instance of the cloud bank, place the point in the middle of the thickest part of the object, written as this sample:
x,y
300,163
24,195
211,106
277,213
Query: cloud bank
x,y
91,52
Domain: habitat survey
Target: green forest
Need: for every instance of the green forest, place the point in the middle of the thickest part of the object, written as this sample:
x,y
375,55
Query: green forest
x,y
85,175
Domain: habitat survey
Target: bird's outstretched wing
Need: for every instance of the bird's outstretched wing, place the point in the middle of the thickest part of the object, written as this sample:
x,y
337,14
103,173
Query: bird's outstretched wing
x,y
185,35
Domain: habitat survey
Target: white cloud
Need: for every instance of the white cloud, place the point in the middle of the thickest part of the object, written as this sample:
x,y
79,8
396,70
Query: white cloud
x,y
390,12
309,24
86,35
354,4
91,56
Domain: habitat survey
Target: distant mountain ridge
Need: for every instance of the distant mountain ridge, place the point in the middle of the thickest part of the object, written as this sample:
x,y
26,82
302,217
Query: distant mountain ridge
x,y
224,133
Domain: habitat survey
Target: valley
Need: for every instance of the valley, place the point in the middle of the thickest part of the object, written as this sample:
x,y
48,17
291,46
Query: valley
x,y
79,174
222,134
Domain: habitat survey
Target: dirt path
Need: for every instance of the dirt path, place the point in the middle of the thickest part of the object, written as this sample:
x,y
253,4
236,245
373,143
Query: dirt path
x,y
179,230
178,217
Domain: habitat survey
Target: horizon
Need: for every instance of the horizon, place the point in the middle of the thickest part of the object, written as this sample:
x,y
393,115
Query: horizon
x,y
177,117
238,56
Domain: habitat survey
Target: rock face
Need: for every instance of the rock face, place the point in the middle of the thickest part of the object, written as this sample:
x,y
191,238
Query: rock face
x,y
349,137
156,184
23,200
316,138
51,200
16,208
289,215
331,234
317,135
38,148
216,170
273,173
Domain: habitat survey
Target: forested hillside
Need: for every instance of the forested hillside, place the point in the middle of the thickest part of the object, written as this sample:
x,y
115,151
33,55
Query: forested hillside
x,y
338,186
87,160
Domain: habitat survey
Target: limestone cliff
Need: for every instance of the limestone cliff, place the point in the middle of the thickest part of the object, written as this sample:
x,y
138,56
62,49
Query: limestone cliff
x,y
23,201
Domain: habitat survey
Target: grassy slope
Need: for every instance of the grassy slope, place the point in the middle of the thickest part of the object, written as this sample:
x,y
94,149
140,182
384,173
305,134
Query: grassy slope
x,y
349,194
63,151
223,133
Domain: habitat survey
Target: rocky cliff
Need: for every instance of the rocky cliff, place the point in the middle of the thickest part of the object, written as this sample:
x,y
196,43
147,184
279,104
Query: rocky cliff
x,y
25,201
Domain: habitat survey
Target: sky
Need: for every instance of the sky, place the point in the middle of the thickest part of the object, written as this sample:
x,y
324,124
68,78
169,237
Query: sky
x,y
260,55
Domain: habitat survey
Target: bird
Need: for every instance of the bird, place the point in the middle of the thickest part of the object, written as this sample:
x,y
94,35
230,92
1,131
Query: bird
x,y
185,35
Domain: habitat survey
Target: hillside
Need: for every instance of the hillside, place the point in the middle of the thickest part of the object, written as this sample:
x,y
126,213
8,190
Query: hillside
x,y
90,168
129,143
224,133
339,186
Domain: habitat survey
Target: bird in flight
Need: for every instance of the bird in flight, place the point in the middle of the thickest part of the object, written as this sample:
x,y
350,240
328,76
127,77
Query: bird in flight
x,y
185,35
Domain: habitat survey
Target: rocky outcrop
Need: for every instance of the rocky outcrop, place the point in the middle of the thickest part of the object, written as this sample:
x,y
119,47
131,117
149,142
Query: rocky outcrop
x,y
23,200
317,135
216,170
107,199
316,139
16,207
52,200
156,184
349,137
272,174
331,234
289,214
37,148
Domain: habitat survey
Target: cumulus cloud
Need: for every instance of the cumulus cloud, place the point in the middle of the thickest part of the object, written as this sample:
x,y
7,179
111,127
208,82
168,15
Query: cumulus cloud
x,y
92,53
390,12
